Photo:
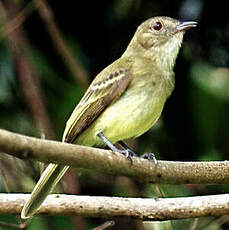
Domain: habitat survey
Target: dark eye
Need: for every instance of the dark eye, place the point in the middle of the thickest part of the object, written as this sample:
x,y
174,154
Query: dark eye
x,y
157,25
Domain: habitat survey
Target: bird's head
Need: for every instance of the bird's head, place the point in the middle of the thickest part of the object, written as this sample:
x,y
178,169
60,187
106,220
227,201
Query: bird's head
x,y
159,38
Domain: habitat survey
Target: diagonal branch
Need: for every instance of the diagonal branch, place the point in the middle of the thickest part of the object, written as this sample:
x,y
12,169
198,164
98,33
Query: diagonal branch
x,y
25,69
108,207
75,67
172,172
17,20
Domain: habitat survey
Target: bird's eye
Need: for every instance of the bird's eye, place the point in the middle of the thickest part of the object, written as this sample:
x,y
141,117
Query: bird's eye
x,y
157,25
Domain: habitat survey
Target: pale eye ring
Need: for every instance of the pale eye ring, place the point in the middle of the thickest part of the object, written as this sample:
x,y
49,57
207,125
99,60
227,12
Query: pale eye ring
x,y
157,25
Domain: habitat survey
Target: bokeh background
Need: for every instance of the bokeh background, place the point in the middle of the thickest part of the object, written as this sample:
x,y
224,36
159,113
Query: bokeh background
x,y
49,53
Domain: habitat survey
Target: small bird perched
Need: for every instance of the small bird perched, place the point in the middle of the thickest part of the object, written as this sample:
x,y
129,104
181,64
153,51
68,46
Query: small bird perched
x,y
124,100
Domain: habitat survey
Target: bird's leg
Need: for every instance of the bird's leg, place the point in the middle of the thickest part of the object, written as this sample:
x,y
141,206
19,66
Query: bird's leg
x,y
126,151
148,156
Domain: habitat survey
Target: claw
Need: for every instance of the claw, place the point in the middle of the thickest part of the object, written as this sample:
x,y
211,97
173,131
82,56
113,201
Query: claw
x,y
150,157
127,153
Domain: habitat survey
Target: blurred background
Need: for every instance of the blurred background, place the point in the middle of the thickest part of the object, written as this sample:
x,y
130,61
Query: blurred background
x,y
49,53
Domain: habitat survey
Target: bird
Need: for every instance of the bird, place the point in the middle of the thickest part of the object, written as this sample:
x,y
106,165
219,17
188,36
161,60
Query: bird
x,y
123,101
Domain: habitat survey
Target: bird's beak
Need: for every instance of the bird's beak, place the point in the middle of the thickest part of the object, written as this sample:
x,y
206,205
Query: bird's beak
x,y
182,26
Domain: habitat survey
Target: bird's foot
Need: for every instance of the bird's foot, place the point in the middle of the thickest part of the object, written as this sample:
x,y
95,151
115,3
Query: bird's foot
x,y
128,153
150,157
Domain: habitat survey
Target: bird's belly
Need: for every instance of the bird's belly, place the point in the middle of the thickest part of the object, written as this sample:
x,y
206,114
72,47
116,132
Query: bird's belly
x,y
129,117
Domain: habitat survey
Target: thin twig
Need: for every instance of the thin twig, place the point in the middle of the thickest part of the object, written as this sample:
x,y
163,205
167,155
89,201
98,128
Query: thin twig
x,y
26,72
17,20
193,225
16,226
105,225
75,67
171,172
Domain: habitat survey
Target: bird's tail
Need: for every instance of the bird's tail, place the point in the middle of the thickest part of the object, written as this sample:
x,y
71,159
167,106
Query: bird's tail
x,y
48,180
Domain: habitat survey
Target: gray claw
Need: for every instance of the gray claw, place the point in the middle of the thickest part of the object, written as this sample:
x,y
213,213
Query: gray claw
x,y
150,157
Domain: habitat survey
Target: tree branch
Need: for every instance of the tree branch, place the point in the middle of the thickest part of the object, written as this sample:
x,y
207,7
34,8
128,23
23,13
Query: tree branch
x,y
171,172
26,71
75,67
138,208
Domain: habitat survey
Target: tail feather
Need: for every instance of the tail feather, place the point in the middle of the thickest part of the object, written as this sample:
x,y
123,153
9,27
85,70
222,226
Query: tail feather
x,y
48,180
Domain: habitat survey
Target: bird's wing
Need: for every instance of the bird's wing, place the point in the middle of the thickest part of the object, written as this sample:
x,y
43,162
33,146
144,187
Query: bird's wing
x,y
101,93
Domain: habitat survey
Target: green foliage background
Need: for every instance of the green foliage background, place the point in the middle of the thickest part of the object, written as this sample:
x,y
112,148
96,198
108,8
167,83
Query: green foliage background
x,y
194,124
